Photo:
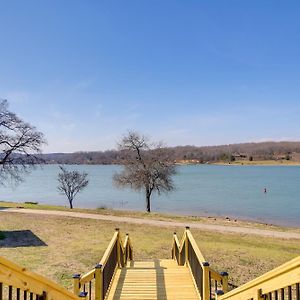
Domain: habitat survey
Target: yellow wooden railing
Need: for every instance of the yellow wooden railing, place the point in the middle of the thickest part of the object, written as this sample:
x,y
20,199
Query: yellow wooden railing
x,y
18,283
95,284
280,283
205,278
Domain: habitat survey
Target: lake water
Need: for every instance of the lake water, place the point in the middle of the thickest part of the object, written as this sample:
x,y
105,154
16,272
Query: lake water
x,y
234,191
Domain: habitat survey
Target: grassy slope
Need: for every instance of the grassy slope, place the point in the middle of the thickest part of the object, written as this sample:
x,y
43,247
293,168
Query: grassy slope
x,y
76,245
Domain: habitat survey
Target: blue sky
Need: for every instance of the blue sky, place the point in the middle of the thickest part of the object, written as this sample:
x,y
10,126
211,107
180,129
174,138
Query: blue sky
x,y
186,72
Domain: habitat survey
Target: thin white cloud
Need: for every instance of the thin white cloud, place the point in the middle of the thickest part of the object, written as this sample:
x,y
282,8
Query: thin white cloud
x,y
274,139
82,85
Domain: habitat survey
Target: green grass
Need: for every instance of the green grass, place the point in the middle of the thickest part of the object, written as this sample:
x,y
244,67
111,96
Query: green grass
x,y
76,245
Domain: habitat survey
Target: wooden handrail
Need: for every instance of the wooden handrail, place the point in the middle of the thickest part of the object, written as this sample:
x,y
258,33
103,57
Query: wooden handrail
x,y
81,280
115,255
273,281
176,240
215,275
19,278
127,249
219,279
87,277
176,249
188,253
109,249
191,239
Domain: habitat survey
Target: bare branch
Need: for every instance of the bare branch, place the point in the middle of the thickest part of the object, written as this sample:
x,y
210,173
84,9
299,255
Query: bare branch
x,y
20,145
146,166
71,183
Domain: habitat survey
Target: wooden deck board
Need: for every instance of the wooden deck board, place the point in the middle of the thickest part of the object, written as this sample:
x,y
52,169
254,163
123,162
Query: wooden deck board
x,y
154,279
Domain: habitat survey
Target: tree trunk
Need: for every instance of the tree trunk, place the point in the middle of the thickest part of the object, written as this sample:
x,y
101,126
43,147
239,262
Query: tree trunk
x,y
71,203
148,195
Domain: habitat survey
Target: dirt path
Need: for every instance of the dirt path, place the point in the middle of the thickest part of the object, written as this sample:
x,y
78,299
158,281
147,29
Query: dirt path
x,y
140,221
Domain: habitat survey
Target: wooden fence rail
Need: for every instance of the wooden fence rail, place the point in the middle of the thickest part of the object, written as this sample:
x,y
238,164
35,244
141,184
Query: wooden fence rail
x,y
18,283
206,279
281,283
96,283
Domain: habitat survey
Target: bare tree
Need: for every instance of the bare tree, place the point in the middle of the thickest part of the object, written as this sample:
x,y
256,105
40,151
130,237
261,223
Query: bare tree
x,y
71,183
20,145
147,167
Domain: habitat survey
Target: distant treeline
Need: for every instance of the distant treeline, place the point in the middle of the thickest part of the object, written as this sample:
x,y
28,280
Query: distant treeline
x,y
206,154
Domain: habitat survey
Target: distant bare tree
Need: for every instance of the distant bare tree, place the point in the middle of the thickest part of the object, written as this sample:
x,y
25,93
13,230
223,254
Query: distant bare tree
x,y
147,167
20,145
71,183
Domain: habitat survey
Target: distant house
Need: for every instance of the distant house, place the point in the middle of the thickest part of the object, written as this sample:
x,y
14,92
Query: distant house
x,y
239,155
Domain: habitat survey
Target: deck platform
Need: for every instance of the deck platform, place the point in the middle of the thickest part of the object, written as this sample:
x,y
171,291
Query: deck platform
x,y
153,279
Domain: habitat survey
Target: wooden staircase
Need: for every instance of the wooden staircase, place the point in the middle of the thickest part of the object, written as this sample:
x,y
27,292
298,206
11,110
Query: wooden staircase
x,y
186,276
153,279
117,276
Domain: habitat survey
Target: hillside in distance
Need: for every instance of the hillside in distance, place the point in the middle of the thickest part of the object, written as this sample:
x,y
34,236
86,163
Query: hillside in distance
x,y
289,151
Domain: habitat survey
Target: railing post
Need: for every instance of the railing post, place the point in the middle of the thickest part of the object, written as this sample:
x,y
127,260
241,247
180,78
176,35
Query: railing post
x,y
118,248
179,256
224,281
76,282
39,297
187,228
98,282
259,295
206,283
127,249
173,250
130,250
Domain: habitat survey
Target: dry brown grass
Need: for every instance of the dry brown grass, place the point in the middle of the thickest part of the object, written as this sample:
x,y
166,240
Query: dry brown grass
x,y
76,245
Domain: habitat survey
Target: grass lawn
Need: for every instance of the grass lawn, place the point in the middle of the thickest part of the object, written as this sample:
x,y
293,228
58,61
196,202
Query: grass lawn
x,y
76,245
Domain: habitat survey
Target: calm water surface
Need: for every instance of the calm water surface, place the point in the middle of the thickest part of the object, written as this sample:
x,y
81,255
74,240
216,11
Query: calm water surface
x,y
235,191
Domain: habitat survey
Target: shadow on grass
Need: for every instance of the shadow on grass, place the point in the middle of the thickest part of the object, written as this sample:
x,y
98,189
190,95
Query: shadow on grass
x,y
20,238
9,207
4,207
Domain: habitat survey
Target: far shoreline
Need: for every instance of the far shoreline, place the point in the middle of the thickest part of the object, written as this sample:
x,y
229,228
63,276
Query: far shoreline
x,y
244,163
265,163
262,163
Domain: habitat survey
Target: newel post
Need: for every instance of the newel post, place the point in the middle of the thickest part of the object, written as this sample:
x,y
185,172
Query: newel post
x,y
260,296
206,281
76,284
187,228
126,254
224,281
174,245
98,282
129,249
118,248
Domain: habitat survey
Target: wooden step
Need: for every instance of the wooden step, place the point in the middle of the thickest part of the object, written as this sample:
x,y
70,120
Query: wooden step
x,y
153,279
